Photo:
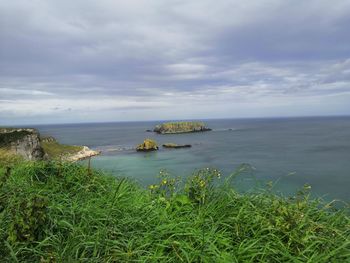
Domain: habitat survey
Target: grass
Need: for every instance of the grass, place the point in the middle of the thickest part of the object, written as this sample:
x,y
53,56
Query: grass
x,y
63,212
8,158
55,150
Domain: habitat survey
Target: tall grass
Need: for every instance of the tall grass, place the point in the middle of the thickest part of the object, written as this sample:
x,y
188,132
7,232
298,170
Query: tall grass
x,y
61,212
8,158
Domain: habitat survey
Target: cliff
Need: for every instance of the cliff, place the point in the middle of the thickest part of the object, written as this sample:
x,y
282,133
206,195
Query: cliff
x,y
24,142
28,144
180,127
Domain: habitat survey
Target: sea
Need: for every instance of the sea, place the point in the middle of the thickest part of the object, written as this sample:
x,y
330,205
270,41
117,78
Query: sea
x,y
288,153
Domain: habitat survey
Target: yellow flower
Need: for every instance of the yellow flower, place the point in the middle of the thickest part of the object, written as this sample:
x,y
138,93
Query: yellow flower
x,y
164,182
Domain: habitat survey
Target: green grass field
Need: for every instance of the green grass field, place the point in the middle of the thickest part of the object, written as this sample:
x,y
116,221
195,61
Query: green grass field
x,y
62,212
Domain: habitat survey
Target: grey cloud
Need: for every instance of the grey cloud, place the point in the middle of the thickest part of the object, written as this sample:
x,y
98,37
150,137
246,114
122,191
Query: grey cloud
x,y
151,51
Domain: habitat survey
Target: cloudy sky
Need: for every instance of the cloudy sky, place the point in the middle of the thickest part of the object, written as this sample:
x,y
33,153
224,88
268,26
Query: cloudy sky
x,y
80,61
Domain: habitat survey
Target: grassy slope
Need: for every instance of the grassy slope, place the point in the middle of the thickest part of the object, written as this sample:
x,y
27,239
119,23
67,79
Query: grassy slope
x,y
56,150
65,213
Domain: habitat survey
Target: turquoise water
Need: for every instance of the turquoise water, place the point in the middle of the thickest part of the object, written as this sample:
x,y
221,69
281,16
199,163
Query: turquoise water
x,y
294,151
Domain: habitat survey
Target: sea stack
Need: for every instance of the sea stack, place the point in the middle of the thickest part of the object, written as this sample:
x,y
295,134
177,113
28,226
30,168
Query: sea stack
x,y
147,145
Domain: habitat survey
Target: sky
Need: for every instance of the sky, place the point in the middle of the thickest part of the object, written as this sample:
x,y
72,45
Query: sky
x,y
64,61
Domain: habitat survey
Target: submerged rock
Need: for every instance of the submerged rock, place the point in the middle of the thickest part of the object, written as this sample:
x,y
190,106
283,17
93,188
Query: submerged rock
x,y
176,146
147,145
181,127
24,142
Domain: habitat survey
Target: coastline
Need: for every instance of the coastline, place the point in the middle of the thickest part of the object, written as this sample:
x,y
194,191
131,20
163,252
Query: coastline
x,y
85,153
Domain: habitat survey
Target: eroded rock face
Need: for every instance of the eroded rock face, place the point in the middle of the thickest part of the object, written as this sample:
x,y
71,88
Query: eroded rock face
x,y
147,145
24,142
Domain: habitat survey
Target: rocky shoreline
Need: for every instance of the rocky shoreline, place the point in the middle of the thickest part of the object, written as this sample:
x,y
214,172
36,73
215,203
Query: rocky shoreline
x,y
85,153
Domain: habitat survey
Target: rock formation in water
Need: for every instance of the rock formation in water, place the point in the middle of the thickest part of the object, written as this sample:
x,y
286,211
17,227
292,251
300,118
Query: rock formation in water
x,y
24,142
176,146
180,127
147,145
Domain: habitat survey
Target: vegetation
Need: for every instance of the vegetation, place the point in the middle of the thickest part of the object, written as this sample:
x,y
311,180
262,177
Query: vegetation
x,y
8,158
55,150
64,212
180,127
147,145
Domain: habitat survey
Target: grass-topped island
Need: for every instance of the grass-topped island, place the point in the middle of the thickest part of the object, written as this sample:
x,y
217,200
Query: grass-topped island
x,y
181,127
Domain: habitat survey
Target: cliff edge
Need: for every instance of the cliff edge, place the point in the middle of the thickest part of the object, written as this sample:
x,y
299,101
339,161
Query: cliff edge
x,y
28,144
24,142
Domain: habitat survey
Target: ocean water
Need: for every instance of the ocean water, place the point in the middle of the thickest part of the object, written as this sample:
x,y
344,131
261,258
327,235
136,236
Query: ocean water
x,y
289,151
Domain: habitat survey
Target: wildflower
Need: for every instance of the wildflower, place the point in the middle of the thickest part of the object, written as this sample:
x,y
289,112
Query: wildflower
x,y
164,181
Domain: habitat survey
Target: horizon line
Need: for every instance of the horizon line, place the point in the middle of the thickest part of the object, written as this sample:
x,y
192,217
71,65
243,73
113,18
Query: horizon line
x,y
184,119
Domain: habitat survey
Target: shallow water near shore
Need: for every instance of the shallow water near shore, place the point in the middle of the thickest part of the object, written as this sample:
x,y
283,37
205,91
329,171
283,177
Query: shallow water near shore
x,y
294,151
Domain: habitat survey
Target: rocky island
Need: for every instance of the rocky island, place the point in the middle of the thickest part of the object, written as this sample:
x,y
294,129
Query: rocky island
x,y
28,144
176,146
181,127
147,145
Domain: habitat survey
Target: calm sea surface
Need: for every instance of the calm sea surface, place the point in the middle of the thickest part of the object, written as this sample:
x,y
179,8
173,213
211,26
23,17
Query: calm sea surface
x,y
294,151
